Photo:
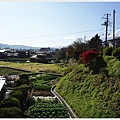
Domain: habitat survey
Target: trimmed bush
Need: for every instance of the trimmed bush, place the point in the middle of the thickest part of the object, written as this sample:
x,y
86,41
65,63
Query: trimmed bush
x,y
23,89
10,102
11,112
18,95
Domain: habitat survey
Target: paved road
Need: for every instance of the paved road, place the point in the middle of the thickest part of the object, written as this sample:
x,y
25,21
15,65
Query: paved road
x,y
72,114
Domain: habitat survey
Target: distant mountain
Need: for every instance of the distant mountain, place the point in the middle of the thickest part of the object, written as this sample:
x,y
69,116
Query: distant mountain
x,y
17,46
25,47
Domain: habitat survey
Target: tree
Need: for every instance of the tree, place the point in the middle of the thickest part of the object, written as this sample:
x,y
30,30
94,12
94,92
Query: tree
x,y
61,54
95,43
24,79
89,56
78,48
69,52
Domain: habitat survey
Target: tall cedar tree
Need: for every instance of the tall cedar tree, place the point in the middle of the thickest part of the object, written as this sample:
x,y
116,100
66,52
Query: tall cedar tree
x,y
95,43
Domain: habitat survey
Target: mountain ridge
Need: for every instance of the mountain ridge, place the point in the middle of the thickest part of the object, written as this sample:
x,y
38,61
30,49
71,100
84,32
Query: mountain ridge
x,y
17,46
24,47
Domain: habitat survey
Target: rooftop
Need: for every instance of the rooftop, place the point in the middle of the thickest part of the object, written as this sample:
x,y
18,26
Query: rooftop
x,y
2,82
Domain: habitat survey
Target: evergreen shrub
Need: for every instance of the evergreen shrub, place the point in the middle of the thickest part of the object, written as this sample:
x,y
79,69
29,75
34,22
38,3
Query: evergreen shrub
x,y
108,51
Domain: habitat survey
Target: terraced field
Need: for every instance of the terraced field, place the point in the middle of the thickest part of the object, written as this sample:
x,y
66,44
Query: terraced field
x,y
34,67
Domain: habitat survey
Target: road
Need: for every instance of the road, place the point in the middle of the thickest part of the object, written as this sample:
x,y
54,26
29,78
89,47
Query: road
x,y
72,114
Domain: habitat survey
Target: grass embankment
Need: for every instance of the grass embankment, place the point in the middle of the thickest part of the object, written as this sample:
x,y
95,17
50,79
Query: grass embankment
x,y
34,67
93,94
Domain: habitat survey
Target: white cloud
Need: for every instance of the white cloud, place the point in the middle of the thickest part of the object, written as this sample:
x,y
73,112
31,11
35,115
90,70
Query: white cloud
x,y
117,34
71,37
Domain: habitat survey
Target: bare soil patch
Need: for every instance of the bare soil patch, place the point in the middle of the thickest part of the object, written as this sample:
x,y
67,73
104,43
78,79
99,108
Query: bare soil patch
x,y
42,93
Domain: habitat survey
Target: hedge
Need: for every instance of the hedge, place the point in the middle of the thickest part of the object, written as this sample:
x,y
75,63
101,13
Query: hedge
x,y
11,112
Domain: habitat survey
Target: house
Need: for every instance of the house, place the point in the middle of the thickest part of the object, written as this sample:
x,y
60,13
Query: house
x,y
111,42
41,58
45,50
2,53
2,87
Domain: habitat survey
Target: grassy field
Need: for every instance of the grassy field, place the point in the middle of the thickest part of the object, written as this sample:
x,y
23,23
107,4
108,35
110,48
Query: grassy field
x,y
34,67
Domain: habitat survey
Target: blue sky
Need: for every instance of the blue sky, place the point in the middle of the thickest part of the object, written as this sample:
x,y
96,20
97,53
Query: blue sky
x,y
50,24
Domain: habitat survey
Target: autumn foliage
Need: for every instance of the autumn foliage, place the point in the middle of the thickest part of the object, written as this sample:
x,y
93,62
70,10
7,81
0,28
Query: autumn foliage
x,y
89,56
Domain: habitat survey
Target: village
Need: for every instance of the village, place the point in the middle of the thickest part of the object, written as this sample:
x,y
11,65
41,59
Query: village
x,y
7,83
33,55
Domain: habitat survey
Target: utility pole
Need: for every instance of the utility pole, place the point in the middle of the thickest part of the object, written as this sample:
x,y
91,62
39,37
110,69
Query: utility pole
x,y
85,39
106,24
114,42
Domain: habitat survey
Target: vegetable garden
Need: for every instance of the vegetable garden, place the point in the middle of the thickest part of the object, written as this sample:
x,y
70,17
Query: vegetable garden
x,y
48,110
45,104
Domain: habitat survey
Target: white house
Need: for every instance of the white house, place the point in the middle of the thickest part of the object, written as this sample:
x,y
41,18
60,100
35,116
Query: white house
x,y
111,42
2,88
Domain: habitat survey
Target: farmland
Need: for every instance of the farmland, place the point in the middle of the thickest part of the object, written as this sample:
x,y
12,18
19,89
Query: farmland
x,y
45,104
34,67
48,110
38,102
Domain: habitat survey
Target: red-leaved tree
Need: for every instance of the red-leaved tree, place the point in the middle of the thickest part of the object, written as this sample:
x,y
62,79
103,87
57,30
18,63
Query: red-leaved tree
x,y
88,56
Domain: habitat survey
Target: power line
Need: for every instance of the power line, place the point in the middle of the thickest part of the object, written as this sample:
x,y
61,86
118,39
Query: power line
x,y
56,34
79,24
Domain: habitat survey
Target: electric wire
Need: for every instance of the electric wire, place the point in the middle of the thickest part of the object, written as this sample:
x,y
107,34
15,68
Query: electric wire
x,y
57,34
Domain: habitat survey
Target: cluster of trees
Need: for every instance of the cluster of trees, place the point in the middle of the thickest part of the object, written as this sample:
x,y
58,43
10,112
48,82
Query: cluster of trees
x,y
76,49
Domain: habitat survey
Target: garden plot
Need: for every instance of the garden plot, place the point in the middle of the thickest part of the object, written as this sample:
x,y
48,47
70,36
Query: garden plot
x,y
45,105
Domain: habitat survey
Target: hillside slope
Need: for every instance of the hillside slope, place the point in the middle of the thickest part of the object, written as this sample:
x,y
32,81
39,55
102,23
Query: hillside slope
x,y
93,95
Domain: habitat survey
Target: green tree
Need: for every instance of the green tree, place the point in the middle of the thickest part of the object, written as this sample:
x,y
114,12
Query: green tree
x,y
69,52
61,54
78,48
24,79
95,43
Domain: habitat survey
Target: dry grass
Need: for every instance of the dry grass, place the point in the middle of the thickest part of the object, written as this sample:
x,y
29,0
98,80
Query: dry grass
x,y
35,67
